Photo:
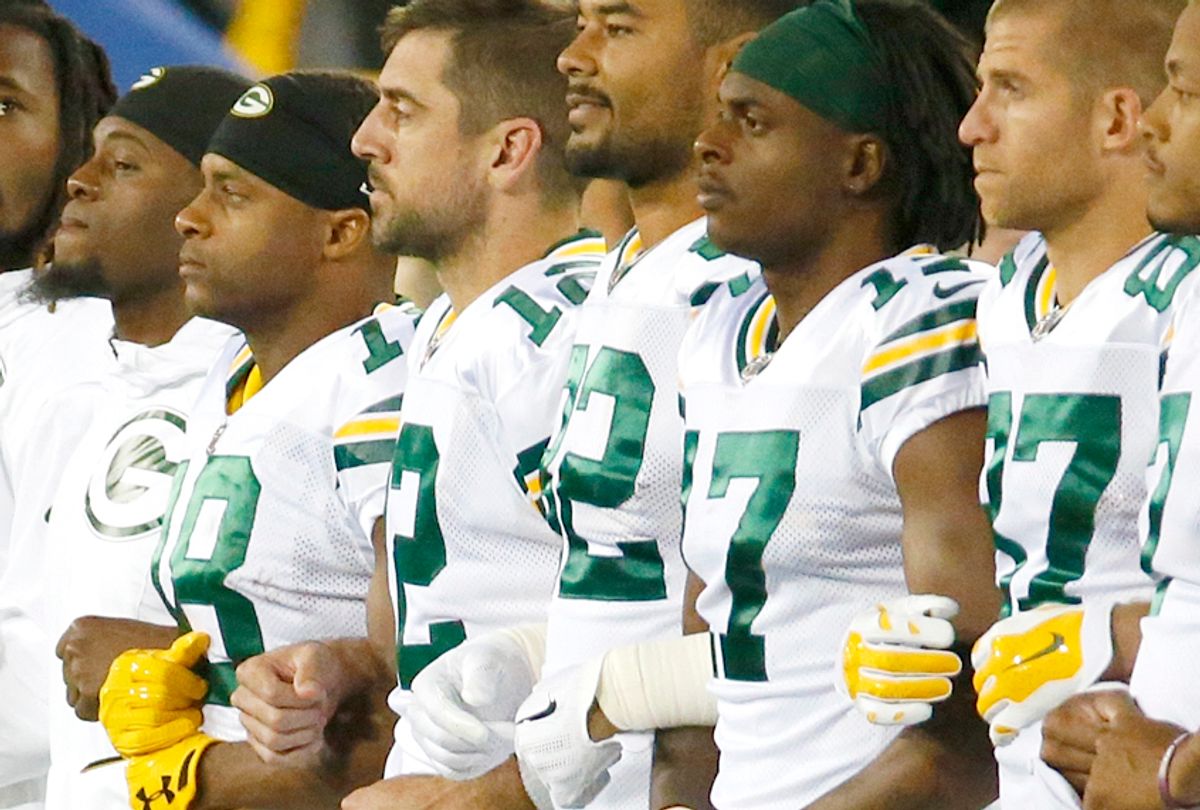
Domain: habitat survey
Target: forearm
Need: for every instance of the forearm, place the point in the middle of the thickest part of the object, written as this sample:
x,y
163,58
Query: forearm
x,y
232,776
1127,639
944,764
685,765
363,668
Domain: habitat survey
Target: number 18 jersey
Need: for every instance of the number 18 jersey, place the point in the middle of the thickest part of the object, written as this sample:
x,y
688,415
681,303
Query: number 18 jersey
x,y
267,540
793,520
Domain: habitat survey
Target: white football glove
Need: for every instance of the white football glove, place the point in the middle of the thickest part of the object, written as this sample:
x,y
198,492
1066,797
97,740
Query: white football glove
x,y
463,705
895,660
552,736
1028,664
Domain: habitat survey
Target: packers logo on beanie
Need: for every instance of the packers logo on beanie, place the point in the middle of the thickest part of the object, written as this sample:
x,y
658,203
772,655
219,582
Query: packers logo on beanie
x,y
294,130
181,106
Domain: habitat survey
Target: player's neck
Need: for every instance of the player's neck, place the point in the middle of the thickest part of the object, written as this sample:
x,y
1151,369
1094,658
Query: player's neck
x,y
349,294
150,318
509,240
799,283
660,209
1093,242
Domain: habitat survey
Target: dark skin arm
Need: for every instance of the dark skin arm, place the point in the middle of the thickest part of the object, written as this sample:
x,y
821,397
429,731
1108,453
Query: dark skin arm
x,y
88,648
947,550
685,759
1110,751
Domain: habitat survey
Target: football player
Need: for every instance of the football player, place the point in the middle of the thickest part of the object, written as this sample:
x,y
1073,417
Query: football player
x,y
267,539
120,433
1126,752
54,86
467,169
642,79
834,423
1073,329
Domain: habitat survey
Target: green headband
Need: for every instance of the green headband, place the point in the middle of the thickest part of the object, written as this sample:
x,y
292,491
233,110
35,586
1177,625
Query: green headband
x,y
823,57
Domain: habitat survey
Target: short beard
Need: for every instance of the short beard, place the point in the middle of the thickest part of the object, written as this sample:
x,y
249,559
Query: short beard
x,y
21,249
62,282
636,166
431,236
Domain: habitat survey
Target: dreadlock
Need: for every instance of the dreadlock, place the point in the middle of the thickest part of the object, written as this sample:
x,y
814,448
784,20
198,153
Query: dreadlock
x,y
932,66
85,92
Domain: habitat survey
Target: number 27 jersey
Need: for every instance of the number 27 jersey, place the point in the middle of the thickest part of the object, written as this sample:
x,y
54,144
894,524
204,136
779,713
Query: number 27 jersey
x,y
267,540
1073,419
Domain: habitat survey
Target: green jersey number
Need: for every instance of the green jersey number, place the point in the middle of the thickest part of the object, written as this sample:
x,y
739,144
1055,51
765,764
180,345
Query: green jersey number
x,y
769,458
420,558
1092,422
1172,419
201,564
637,575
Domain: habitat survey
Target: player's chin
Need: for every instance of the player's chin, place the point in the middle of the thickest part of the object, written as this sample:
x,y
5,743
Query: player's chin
x,y
1170,212
198,298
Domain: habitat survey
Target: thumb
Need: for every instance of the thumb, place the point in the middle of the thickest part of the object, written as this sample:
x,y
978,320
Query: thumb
x,y
309,676
480,679
187,650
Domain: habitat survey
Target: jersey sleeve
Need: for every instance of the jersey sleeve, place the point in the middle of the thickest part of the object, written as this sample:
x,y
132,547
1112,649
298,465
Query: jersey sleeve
x,y
925,362
364,439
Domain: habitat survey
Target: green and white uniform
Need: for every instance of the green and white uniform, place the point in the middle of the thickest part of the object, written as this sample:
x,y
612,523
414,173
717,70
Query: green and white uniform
x,y
106,522
41,354
793,520
1072,423
1164,680
268,536
471,553
615,466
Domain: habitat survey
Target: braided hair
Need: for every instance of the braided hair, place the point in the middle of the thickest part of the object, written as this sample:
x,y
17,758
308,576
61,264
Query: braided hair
x,y
933,67
85,92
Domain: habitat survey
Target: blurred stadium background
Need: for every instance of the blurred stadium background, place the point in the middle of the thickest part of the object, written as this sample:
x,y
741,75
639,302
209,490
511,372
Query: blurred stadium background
x,y
271,36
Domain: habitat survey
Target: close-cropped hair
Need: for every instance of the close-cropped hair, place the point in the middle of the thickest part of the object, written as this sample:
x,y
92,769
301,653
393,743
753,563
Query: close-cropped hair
x,y
1107,43
932,68
714,21
502,65
85,93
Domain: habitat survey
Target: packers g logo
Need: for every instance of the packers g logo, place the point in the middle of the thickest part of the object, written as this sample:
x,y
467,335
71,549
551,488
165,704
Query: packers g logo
x,y
255,102
128,490
152,77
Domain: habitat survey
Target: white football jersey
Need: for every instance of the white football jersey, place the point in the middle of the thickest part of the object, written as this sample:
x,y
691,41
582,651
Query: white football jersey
x,y
41,353
615,465
106,521
1072,424
1163,678
793,520
268,536
472,552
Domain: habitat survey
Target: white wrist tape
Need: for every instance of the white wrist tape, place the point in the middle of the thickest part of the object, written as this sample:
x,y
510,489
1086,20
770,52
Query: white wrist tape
x,y
659,684
531,638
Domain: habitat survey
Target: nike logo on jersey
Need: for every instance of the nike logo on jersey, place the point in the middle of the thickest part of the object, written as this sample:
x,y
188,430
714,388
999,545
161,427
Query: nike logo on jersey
x,y
544,713
1057,642
944,291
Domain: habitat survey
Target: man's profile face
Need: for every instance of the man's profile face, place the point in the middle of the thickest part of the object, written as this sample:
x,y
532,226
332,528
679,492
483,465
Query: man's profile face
x,y
426,175
1030,128
1171,130
29,132
636,90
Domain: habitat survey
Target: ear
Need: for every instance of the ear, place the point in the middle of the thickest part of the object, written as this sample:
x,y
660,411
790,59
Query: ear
x,y
865,163
515,145
722,54
346,231
1118,112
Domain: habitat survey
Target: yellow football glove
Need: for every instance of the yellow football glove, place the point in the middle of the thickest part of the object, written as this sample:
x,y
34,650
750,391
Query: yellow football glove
x,y
1028,664
167,777
151,698
895,663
